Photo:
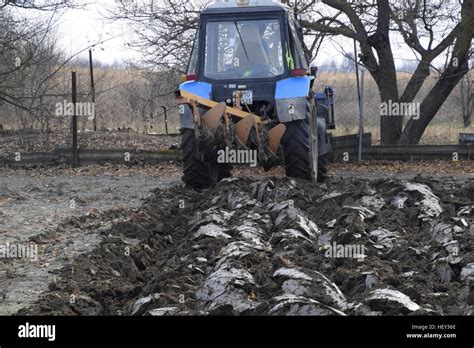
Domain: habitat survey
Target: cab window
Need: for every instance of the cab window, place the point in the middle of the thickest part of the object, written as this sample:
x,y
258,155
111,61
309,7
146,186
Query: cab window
x,y
243,49
297,47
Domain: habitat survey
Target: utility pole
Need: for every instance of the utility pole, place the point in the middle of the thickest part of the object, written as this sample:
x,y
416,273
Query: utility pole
x,y
361,111
356,69
91,68
360,98
75,153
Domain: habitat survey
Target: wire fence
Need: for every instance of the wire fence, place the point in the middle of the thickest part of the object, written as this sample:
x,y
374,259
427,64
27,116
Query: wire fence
x,y
130,112
445,128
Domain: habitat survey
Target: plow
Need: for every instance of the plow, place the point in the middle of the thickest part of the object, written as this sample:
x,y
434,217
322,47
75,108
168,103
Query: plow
x,y
215,129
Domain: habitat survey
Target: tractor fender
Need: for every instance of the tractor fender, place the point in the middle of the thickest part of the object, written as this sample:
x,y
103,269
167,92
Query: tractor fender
x,y
291,98
324,146
186,118
202,89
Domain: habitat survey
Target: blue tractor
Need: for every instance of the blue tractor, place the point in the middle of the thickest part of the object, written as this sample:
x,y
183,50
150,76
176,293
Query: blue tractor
x,y
249,88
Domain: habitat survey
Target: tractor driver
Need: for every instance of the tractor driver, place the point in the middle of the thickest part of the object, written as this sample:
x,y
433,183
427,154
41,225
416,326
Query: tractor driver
x,y
251,55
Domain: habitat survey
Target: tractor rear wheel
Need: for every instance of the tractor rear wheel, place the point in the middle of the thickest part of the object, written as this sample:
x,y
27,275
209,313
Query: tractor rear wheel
x,y
299,146
295,145
199,173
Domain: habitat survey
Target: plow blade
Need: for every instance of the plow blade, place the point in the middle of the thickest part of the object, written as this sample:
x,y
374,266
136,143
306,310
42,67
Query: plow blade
x,y
212,118
243,128
274,137
215,129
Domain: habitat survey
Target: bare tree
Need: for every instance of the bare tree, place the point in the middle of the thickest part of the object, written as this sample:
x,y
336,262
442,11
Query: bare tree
x,y
42,5
429,29
29,60
165,29
24,47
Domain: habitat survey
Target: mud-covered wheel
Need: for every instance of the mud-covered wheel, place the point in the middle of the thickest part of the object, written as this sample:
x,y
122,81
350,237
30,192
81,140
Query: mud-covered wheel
x,y
197,173
300,146
322,168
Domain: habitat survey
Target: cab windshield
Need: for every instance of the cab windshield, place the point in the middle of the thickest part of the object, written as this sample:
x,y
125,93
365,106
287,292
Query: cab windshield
x,y
243,49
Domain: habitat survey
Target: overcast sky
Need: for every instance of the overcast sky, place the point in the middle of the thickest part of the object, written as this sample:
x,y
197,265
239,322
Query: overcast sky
x,y
79,28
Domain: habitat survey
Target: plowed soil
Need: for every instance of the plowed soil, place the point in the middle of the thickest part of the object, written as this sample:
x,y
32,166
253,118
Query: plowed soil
x,y
272,246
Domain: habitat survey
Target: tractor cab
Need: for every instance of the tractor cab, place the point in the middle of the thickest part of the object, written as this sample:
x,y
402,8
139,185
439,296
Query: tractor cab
x,y
246,47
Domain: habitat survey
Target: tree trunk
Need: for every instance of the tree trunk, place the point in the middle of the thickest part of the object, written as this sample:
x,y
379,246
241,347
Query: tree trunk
x,y
417,80
390,126
385,76
467,101
431,104
457,68
386,79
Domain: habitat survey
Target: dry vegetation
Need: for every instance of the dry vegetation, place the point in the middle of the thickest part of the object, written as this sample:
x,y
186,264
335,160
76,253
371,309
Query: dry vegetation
x,y
132,100
444,129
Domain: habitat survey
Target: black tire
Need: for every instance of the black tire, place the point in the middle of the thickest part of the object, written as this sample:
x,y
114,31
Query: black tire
x,y
322,168
296,150
197,173
296,145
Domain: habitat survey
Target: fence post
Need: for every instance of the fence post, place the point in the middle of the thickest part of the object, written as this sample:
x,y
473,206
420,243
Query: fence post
x,y
166,119
91,68
75,154
361,111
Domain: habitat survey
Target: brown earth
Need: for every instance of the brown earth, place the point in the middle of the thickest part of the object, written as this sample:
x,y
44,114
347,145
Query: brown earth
x,y
256,245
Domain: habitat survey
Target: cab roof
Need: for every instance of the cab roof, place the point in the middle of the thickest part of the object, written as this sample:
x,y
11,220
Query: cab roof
x,y
243,6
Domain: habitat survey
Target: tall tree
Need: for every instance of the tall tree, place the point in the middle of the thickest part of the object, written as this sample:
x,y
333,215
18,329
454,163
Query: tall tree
x,y
165,30
27,46
429,28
